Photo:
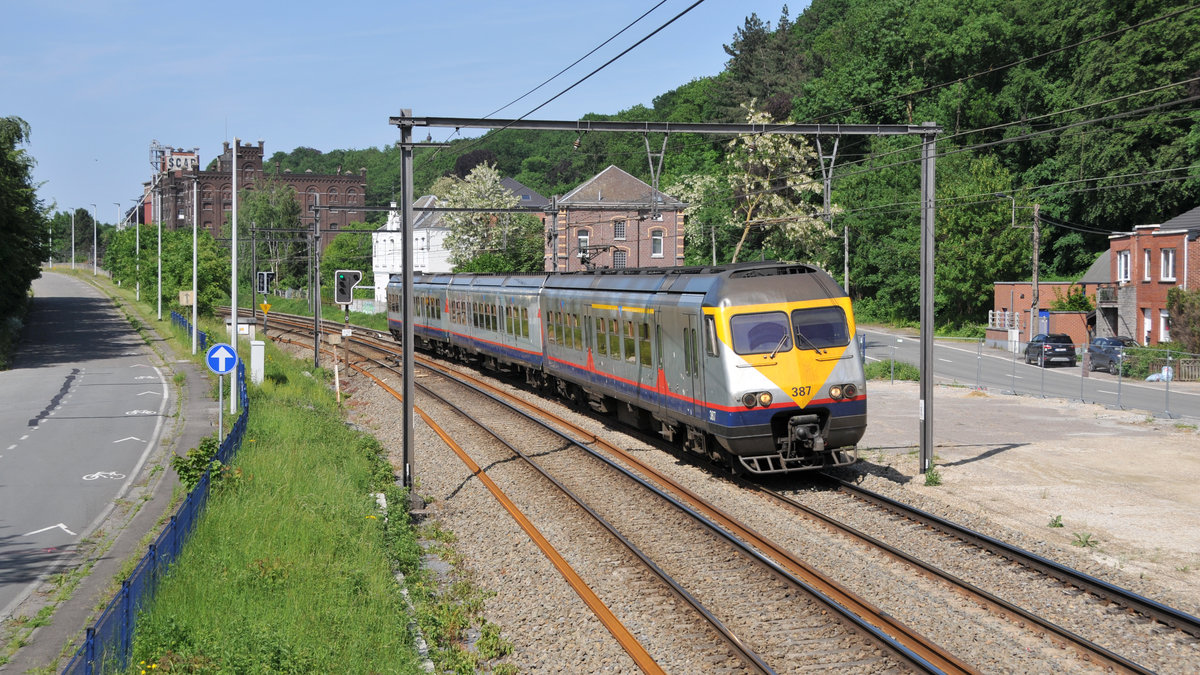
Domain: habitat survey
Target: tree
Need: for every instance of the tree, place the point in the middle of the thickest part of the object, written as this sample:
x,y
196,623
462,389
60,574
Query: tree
x,y
272,205
709,230
1184,309
770,175
23,226
511,236
349,250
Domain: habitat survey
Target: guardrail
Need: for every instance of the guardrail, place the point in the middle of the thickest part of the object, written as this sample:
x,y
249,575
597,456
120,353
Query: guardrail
x,y
107,645
181,321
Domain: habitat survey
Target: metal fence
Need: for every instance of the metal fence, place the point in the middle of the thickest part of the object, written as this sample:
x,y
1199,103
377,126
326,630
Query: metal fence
x,y
1139,378
181,321
107,645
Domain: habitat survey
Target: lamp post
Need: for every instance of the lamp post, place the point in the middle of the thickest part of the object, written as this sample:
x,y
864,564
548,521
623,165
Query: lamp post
x,y
158,217
195,217
94,239
73,239
137,249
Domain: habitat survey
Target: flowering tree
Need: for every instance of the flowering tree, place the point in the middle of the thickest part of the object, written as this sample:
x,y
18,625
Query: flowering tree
x,y
476,235
771,176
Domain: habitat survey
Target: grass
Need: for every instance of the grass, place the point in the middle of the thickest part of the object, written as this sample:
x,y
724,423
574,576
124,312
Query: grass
x,y
292,567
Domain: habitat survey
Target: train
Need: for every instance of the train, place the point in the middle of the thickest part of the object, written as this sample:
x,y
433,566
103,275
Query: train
x,y
752,365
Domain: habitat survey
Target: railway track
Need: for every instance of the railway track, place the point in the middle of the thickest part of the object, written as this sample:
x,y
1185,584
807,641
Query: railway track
x,y
1082,654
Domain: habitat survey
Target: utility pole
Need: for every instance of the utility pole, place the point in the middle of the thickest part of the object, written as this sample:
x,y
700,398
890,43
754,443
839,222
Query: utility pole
x,y
1037,241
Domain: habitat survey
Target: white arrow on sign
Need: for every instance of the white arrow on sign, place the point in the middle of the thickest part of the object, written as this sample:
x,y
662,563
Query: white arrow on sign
x,y
45,529
222,355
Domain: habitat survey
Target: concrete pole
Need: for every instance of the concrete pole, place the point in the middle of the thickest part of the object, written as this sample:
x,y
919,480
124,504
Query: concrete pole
x,y
233,292
94,239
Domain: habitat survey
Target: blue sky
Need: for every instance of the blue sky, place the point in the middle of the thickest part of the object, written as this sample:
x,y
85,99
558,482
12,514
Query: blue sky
x,y
99,81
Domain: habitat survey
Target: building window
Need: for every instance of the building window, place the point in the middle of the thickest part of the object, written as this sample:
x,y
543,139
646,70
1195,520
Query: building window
x,y
1146,264
333,195
619,230
351,196
656,244
1122,266
1167,269
618,260
582,239
1164,326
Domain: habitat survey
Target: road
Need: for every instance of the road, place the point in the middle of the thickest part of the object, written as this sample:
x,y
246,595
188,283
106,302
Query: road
x,y
965,362
83,407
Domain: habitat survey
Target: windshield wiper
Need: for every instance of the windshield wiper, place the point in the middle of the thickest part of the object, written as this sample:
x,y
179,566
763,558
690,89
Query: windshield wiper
x,y
779,346
804,337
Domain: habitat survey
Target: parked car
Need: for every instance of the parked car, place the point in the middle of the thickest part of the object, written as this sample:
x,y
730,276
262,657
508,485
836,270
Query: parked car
x,y
1046,350
1105,353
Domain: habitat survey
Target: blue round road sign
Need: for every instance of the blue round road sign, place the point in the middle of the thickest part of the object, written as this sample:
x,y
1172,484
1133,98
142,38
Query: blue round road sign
x,y
221,358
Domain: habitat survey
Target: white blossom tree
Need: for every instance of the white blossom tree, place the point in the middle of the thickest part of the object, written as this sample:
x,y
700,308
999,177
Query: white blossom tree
x,y
503,239
772,176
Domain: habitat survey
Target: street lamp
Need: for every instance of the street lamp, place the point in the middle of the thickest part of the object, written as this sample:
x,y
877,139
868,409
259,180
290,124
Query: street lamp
x,y
195,217
93,240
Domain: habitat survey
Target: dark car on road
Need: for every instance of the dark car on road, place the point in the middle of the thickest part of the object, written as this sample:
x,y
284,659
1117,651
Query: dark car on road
x,y
1105,353
1046,350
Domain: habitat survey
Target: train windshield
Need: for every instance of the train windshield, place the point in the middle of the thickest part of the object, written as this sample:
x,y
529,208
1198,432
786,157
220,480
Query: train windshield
x,y
821,327
761,333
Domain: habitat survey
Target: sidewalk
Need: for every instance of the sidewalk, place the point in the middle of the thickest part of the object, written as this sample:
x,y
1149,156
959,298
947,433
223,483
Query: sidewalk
x,y
122,539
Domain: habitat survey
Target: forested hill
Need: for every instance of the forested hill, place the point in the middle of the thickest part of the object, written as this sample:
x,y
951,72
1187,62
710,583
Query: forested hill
x,y
1085,108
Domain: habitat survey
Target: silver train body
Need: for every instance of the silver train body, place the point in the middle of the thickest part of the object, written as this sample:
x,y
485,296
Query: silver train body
x,y
753,365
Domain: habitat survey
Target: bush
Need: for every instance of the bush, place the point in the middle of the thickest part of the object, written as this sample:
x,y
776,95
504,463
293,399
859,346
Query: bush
x,y
882,370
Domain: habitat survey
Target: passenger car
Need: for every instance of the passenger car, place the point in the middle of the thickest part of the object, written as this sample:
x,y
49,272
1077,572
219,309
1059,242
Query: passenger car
x,y
1049,349
1105,353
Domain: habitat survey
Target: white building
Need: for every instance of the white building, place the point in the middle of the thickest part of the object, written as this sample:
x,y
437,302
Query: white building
x,y
429,251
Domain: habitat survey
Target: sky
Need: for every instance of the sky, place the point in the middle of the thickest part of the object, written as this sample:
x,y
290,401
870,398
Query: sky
x,y
100,81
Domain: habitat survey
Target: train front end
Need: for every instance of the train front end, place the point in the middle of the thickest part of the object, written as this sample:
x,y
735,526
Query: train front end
x,y
788,391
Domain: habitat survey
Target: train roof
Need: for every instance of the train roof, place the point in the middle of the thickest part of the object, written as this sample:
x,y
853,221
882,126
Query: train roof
x,y
794,280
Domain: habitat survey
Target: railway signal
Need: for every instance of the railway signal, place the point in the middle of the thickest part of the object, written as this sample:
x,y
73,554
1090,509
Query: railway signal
x,y
344,283
264,281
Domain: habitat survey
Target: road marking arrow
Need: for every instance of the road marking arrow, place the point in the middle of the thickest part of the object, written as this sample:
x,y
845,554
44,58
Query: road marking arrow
x,y
44,529
129,438
156,393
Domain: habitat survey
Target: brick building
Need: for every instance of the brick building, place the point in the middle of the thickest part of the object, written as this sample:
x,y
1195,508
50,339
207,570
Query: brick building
x,y
180,170
1145,264
614,220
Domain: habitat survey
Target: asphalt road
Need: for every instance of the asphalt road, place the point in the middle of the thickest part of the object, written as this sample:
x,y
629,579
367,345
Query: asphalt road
x,y
83,407
965,362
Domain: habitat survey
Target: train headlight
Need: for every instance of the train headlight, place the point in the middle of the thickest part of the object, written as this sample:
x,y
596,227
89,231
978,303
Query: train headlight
x,y
850,390
764,399
749,399
835,392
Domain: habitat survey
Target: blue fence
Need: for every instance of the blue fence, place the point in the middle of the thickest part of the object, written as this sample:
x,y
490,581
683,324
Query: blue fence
x,y
201,337
109,641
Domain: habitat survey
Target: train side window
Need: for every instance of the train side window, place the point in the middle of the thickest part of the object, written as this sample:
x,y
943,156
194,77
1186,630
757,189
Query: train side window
x,y
644,343
551,336
524,322
577,327
508,320
601,338
695,354
710,335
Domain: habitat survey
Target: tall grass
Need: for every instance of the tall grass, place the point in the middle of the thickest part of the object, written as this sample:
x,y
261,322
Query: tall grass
x,y
291,568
